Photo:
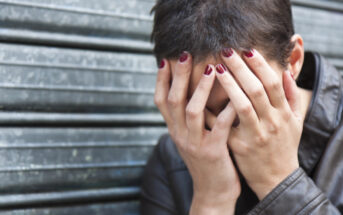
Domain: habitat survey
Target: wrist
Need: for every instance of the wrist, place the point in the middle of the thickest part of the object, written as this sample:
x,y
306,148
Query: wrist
x,y
213,205
263,189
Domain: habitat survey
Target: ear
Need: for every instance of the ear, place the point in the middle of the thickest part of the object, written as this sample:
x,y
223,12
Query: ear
x,y
296,58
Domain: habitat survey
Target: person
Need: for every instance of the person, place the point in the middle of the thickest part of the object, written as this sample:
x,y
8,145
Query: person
x,y
254,122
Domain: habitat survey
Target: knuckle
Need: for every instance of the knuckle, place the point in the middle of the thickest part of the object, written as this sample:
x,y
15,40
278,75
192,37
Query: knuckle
x,y
286,115
274,85
245,110
192,113
158,100
257,92
191,150
261,139
174,100
273,128
244,149
273,125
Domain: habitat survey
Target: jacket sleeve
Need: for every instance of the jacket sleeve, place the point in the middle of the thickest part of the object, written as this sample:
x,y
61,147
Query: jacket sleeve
x,y
297,194
156,196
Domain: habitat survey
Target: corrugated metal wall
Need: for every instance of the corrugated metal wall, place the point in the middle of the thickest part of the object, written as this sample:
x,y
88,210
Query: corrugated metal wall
x,y
76,96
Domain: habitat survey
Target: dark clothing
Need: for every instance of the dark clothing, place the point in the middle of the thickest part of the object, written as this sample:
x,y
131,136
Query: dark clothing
x,y
314,188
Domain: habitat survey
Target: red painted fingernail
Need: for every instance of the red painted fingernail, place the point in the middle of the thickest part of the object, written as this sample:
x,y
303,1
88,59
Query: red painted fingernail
x,y
162,63
249,54
292,75
221,68
208,70
183,57
227,52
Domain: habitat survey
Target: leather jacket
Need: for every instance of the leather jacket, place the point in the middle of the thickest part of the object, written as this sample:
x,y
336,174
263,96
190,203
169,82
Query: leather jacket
x,y
316,187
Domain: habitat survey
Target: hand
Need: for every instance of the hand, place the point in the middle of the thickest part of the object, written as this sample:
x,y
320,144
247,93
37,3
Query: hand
x,y
265,144
215,181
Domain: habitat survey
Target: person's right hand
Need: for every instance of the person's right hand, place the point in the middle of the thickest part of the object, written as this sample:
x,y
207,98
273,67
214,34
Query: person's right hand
x,y
216,183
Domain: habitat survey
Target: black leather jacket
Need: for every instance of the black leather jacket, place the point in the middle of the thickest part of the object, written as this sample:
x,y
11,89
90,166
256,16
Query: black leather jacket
x,y
315,188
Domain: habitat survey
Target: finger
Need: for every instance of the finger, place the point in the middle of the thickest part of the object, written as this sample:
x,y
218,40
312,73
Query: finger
x,y
291,93
251,85
221,128
195,118
178,91
269,78
162,90
239,100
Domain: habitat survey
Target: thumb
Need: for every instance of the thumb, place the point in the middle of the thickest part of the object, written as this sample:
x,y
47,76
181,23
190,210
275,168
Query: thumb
x,y
221,128
291,92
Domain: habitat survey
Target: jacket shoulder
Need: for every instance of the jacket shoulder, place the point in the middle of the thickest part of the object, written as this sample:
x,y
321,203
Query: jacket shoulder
x,y
157,193
169,154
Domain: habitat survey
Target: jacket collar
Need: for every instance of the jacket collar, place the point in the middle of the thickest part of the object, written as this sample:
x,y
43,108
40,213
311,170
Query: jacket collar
x,y
324,113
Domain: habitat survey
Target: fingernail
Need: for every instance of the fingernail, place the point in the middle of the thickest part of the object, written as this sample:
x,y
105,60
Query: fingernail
x,y
162,63
183,57
227,52
249,54
221,68
208,70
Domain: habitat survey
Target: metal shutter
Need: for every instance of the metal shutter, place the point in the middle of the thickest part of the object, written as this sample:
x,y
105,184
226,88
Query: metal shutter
x,y
76,96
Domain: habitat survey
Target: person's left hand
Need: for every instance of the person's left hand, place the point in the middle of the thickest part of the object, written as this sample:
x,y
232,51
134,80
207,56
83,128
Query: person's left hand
x,y
265,143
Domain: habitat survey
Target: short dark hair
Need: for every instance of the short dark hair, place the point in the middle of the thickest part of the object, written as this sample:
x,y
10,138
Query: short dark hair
x,y
205,27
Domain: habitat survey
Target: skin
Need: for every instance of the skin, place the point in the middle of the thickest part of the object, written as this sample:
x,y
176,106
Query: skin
x,y
271,110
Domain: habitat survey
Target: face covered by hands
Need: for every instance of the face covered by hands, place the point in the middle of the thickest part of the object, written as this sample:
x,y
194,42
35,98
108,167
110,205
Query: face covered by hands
x,y
264,144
